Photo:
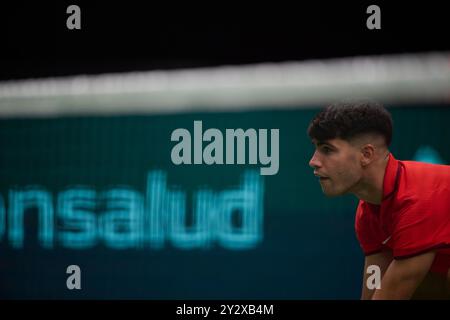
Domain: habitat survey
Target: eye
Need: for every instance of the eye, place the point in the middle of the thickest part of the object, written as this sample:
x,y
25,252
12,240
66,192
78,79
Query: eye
x,y
326,150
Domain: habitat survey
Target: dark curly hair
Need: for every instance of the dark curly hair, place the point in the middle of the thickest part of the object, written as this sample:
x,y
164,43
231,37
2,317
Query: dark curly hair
x,y
351,118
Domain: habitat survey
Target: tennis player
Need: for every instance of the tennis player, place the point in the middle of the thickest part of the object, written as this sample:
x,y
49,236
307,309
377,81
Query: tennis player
x,y
403,216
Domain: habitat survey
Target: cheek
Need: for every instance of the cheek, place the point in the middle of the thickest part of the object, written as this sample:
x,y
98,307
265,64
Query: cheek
x,y
348,172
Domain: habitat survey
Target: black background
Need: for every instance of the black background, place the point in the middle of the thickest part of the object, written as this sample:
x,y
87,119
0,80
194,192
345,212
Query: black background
x,y
145,35
125,36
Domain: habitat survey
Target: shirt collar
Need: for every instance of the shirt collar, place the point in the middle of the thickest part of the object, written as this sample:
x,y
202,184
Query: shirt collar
x,y
391,177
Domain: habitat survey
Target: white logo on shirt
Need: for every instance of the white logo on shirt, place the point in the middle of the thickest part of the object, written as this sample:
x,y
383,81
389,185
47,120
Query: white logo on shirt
x,y
387,239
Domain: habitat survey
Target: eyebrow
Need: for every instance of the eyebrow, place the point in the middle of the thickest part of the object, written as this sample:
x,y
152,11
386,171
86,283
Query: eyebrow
x,y
322,143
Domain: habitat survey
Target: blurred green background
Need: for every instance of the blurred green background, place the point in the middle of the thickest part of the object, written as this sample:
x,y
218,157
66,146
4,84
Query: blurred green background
x,y
308,249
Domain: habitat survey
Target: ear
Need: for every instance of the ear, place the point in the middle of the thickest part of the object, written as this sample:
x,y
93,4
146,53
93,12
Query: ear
x,y
367,154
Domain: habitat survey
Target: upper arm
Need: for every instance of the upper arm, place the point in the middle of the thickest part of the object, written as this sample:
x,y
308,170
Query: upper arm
x,y
382,260
403,276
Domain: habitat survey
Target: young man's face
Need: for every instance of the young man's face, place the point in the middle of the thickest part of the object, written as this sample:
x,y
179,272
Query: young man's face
x,y
336,164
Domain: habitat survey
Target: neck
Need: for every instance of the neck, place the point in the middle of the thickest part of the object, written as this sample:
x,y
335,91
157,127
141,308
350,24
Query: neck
x,y
370,188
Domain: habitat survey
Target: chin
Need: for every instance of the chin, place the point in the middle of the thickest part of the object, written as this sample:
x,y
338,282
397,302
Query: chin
x,y
332,194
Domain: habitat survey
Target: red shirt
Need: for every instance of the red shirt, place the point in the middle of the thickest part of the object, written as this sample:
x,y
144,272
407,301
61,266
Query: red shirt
x,y
414,215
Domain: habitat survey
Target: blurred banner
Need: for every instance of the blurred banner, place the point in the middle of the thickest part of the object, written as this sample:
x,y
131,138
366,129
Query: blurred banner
x,y
89,177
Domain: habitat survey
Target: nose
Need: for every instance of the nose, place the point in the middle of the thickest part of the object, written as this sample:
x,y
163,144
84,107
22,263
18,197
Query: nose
x,y
314,162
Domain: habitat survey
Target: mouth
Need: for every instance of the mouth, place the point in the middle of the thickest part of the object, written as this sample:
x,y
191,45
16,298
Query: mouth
x,y
321,178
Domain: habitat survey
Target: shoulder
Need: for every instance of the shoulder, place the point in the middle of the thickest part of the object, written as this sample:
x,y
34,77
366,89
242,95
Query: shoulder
x,y
422,183
425,173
